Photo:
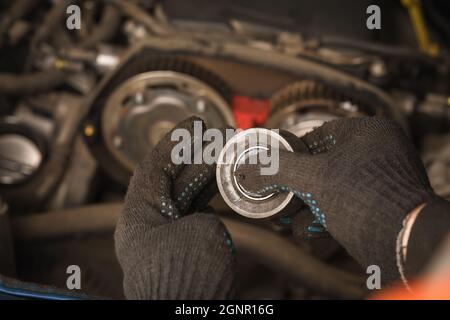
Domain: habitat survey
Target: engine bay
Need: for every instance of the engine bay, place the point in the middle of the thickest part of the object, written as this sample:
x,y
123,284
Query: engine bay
x,y
80,108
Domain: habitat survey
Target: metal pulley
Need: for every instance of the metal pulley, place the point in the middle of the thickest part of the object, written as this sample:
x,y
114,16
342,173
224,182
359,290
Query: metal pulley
x,y
254,146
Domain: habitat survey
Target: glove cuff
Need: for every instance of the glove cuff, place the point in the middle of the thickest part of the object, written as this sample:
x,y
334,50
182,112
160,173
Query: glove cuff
x,y
430,228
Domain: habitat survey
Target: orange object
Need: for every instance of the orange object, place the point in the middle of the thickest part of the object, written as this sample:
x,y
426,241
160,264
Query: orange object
x,y
434,288
250,112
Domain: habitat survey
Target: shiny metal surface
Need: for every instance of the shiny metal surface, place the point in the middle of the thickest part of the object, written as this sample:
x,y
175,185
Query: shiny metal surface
x,y
235,152
145,107
19,158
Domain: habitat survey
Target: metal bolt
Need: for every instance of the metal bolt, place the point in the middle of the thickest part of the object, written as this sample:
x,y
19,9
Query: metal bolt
x,y
378,69
118,141
348,106
89,130
139,98
201,105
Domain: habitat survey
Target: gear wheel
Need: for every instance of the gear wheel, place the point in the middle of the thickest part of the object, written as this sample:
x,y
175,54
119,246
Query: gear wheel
x,y
304,105
189,76
304,91
145,63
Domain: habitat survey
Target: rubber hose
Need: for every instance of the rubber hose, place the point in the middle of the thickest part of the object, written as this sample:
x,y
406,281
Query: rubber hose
x,y
17,10
137,13
31,83
51,21
107,28
279,254
269,248
376,48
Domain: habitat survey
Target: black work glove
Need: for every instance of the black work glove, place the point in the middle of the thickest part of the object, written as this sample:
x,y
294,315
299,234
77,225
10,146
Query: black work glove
x,y
165,250
359,177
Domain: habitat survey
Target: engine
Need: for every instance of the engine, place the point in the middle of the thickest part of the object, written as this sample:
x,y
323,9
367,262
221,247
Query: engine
x,y
79,108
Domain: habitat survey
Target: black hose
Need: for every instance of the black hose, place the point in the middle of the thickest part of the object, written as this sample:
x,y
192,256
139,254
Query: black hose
x,y
17,10
269,248
51,21
31,83
107,27
12,84
376,48
279,254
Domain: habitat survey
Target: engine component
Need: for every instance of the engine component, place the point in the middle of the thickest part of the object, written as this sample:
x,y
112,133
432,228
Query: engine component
x,y
16,11
145,107
22,152
295,261
305,105
103,58
147,98
154,70
31,83
107,27
53,135
22,158
248,147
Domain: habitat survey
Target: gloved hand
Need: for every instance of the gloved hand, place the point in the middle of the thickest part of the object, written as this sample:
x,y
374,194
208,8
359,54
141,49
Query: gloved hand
x,y
167,251
359,177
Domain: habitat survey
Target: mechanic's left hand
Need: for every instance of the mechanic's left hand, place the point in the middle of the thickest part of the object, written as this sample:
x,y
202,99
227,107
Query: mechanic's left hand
x,y
165,249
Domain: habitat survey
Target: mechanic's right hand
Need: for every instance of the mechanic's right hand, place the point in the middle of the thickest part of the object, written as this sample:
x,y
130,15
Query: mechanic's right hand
x,y
359,177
